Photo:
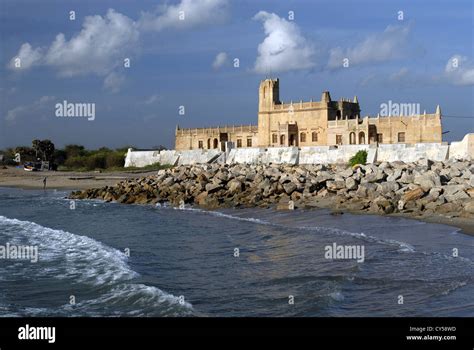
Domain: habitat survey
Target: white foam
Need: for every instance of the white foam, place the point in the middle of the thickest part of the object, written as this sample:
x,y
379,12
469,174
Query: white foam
x,y
72,256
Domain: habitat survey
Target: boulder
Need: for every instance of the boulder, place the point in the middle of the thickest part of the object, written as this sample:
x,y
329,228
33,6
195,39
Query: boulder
x,y
289,187
413,195
234,186
351,184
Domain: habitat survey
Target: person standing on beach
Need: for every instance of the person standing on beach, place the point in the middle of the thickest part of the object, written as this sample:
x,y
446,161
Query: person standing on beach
x,y
44,182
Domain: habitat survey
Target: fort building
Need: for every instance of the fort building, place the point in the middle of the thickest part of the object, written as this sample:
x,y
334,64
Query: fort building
x,y
314,123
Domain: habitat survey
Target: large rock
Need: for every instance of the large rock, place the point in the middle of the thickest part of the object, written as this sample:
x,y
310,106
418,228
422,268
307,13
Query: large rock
x,y
234,186
427,181
212,187
351,184
460,195
335,185
289,187
413,195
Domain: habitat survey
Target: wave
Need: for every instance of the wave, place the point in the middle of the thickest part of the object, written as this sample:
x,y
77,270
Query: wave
x,y
81,259
223,215
403,246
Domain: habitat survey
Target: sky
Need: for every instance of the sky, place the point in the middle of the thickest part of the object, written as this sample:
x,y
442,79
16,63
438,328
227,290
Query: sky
x,y
141,64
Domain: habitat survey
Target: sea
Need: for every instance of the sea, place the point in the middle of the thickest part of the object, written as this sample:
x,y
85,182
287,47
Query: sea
x,y
109,259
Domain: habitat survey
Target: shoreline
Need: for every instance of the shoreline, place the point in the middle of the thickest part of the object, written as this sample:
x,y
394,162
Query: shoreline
x,y
464,225
18,178
147,188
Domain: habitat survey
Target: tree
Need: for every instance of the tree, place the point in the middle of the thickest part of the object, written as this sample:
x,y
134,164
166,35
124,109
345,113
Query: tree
x,y
43,149
47,150
37,147
74,151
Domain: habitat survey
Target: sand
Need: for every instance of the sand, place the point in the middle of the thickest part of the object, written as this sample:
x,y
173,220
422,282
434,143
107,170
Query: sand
x,y
17,177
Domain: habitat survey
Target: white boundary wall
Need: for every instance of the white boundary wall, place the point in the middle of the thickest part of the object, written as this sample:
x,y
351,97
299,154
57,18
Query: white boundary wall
x,y
308,155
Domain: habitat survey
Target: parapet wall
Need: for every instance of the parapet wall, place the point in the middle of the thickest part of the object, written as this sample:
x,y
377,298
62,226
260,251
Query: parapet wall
x,y
308,155
170,157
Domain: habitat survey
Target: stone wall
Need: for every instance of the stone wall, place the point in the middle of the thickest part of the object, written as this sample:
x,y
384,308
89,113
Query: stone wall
x,y
170,157
308,155
459,149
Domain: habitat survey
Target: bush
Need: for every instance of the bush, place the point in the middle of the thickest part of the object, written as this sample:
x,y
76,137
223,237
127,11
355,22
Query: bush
x,y
115,159
359,158
75,162
95,161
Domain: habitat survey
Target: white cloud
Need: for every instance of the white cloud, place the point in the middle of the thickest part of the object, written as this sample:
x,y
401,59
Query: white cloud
x,y
186,14
220,60
400,74
27,57
284,48
113,82
460,70
99,48
392,43
152,99
38,106
105,41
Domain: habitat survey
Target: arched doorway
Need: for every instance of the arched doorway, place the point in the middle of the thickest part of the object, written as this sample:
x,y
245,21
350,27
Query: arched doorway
x,y
361,138
292,140
282,140
215,143
352,138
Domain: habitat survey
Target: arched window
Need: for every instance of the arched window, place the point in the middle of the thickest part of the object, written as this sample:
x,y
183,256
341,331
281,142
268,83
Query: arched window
x,y
264,92
361,138
352,138
314,136
215,143
208,143
282,140
303,137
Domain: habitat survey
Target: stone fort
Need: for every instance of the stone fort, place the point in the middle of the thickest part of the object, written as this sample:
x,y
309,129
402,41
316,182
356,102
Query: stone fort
x,y
313,123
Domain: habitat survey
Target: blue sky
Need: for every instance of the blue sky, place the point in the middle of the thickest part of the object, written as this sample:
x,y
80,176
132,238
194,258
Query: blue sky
x,y
190,63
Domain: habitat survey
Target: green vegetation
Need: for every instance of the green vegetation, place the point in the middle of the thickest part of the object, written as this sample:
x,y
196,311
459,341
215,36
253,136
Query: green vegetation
x,y
73,157
359,158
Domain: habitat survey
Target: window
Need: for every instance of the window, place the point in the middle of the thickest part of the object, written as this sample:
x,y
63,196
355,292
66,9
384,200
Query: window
x,y
201,144
401,137
303,137
215,143
380,138
338,139
361,138
352,138
249,142
274,138
282,140
314,136
239,142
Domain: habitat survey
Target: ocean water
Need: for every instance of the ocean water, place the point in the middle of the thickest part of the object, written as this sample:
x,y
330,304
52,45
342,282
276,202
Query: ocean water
x,y
182,262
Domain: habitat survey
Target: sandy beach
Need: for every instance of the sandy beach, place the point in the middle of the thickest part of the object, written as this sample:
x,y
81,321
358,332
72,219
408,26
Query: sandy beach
x,y
17,177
